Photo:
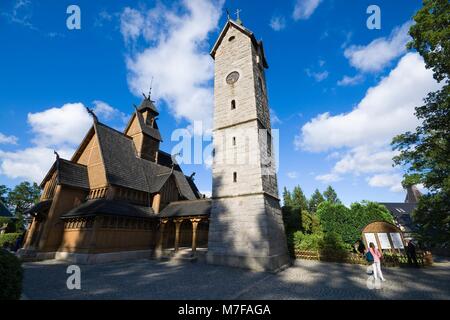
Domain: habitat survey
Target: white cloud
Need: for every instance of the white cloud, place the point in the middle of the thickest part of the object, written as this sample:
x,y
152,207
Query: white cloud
x,y
391,181
350,81
292,175
31,164
328,178
365,159
108,113
318,76
385,111
8,139
278,23
177,56
362,136
380,52
61,129
304,9
60,126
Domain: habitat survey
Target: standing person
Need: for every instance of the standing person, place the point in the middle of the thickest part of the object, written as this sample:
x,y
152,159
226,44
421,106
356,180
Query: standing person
x,y
376,254
361,248
411,254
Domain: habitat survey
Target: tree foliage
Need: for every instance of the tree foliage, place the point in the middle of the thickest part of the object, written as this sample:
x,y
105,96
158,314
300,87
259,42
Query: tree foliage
x,y
316,199
425,152
22,198
331,195
349,222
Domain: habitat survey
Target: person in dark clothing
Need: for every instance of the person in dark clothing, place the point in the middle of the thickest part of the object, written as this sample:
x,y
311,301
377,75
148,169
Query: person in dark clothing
x,y
359,247
18,243
411,254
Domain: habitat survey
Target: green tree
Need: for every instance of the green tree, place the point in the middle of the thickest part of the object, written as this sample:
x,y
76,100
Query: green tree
x,y
299,199
287,197
425,152
331,195
4,194
22,198
316,199
349,222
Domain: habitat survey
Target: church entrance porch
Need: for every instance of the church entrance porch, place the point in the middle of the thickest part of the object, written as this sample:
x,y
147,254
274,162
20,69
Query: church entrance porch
x,y
183,237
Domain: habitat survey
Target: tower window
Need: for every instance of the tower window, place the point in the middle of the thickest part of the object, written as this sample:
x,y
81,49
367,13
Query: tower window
x,y
233,104
234,177
234,141
231,38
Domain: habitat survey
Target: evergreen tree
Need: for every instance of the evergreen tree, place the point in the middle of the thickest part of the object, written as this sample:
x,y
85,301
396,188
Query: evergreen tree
x,y
299,199
331,195
287,198
316,199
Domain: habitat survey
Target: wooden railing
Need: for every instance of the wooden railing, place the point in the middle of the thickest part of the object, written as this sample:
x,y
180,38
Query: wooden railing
x,y
388,260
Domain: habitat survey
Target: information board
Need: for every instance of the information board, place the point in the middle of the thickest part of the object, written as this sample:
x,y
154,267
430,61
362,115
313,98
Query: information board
x,y
384,241
397,240
370,237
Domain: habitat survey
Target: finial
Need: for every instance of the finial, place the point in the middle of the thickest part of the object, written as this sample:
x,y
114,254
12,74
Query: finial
x,y
191,177
228,14
93,115
135,107
56,154
150,92
238,16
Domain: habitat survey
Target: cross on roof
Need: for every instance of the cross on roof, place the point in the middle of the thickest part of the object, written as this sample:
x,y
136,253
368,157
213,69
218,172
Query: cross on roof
x,y
238,16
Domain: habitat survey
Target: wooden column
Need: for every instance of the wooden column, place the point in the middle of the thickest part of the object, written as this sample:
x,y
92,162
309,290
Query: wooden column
x,y
178,223
195,223
156,205
159,246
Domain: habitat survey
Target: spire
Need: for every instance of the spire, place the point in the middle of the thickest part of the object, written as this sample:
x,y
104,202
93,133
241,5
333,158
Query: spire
x,y
413,194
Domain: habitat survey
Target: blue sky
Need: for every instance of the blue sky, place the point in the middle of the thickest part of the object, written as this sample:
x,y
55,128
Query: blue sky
x,y
338,91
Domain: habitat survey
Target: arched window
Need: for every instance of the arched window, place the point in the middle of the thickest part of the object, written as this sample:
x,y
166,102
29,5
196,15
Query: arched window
x,y
234,177
233,104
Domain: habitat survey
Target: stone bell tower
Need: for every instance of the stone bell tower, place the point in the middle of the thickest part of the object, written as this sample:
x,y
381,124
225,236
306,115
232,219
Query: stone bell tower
x,y
246,227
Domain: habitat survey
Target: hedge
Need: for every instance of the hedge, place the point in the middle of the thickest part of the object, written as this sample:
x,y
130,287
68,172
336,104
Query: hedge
x,y
11,275
9,238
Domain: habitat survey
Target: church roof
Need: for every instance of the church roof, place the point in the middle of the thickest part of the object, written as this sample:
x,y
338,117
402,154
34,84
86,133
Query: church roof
x,y
402,213
187,208
124,168
240,27
4,212
69,174
109,207
148,104
41,207
152,132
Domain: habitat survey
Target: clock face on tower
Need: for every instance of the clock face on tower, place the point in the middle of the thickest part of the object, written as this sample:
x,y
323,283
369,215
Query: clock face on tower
x,y
233,77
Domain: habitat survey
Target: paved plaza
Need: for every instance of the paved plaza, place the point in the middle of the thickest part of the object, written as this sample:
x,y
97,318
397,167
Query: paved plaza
x,y
151,279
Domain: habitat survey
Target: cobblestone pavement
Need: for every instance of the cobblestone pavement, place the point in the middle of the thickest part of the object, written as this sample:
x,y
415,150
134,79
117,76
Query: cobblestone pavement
x,y
150,279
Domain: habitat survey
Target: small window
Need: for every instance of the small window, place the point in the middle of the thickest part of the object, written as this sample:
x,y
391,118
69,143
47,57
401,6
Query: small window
x,y
234,177
231,38
233,104
234,141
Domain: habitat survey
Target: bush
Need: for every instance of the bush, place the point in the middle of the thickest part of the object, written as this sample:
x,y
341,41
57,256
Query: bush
x,y
306,242
8,238
348,223
11,275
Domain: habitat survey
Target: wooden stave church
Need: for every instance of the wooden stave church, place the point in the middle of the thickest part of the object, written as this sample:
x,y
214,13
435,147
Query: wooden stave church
x,y
119,197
